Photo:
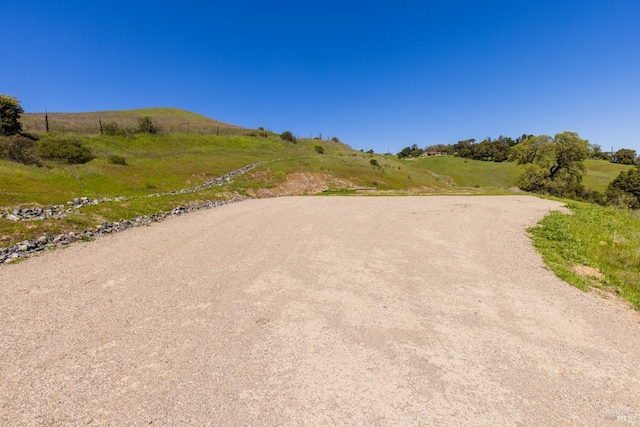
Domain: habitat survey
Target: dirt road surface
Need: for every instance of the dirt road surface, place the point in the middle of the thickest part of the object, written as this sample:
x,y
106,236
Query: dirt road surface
x,y
315,311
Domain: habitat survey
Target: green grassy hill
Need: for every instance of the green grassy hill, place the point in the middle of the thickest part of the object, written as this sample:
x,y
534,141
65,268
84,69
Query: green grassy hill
x,y
169,120
470,173
174,160
600,173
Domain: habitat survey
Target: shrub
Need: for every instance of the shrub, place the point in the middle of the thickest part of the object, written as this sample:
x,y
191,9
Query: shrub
x,y
374,162
18,148
65,149
112,129
10,111
624,190
288,136
117,160
145,125
319,149
335,139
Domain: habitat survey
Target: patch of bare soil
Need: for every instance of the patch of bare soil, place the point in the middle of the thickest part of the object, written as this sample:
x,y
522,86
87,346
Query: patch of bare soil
x,y
299,183
588,272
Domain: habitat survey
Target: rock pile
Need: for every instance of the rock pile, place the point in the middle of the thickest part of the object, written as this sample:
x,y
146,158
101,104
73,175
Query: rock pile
x,y
30,247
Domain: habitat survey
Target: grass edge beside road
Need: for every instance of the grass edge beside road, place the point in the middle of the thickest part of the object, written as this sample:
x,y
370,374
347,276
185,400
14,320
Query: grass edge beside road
x,y
593,247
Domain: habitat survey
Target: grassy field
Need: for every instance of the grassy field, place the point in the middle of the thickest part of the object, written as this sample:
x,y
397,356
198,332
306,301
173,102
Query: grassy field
x,y
605,240
470,173
170,120
475,173
355,170
601,172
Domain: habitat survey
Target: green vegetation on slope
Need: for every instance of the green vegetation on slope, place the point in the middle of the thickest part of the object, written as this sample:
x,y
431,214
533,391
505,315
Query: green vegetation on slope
x,y
469,173
600,173
348,170
606,240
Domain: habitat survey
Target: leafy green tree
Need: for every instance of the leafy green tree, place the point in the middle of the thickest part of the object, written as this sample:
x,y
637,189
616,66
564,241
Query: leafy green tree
x,y
288,136
553,165
413,151
624,190
464,148
624,156
596,153
10,111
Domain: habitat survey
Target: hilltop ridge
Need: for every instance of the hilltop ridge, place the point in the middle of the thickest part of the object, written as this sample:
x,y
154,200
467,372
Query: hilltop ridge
x,y
168,120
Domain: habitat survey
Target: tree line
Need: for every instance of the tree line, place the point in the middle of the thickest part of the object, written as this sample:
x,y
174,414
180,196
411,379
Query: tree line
x,y
550,165
499,150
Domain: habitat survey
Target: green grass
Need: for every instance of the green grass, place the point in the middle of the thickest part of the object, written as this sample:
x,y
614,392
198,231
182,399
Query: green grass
x,y
352,168
470,173
479,174
155,163
600,173
606,239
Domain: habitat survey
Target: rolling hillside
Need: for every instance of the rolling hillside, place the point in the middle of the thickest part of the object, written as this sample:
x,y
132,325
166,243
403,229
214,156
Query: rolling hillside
x,y
169,120
158,169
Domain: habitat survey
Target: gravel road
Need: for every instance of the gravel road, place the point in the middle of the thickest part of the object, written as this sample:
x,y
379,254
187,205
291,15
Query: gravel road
x,y
315,311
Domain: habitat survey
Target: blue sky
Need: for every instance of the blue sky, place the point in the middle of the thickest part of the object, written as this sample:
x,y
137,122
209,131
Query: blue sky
x,y
377,74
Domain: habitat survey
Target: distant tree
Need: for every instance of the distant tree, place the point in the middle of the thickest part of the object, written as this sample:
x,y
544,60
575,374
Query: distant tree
x,y
552,165
288,136
624,156
624,190
464,148
596,153
494,151
413,151
10,112
521,138
335,139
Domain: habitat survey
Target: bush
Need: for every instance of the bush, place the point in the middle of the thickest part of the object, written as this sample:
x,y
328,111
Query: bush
x,y
145,125
117,160
288,136
10,111
112,129
335,139
374,162
319,149
18,148
65,149
624,190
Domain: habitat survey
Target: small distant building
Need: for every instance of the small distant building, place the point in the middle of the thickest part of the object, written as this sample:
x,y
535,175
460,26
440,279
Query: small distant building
x,y
434,153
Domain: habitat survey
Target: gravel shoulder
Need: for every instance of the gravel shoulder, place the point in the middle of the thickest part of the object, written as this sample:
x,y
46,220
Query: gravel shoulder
x,y
315,311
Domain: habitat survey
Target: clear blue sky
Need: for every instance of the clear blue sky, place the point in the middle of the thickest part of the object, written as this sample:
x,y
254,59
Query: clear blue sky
x,y
377,74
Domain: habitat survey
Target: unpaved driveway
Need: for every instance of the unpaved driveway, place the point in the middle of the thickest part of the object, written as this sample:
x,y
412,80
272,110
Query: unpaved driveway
x,y
315,311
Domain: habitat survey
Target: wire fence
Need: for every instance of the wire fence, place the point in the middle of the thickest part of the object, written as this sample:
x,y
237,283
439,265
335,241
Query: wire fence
x,y
63,123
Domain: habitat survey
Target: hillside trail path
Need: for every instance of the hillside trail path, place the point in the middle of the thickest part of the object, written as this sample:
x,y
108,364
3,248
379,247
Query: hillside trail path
x,y
315,311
